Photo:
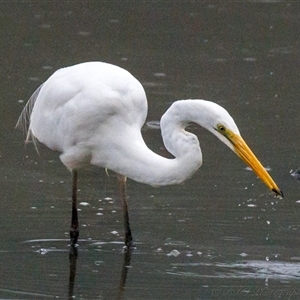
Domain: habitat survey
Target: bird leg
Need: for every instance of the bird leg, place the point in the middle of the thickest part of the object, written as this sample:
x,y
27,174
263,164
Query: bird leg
x,y
74,231
123,195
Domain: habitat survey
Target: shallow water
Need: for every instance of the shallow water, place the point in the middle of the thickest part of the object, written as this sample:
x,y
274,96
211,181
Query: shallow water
x,y
222,234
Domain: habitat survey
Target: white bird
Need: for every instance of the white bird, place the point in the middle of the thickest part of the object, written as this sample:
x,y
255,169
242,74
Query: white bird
x,y
93,113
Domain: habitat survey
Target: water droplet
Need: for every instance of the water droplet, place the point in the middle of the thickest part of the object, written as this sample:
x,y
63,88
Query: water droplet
x,y
243,254
158,74
84,33
42,251
98,262
107,198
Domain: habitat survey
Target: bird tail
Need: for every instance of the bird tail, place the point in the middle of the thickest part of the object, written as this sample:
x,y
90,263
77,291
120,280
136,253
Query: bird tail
x,y
24,119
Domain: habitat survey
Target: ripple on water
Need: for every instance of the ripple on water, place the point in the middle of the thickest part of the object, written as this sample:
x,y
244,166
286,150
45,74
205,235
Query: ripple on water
x,y
248,269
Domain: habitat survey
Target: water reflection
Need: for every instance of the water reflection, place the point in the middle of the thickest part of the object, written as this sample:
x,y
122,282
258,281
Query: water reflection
x,y
73,255
125,269
173,260
70,279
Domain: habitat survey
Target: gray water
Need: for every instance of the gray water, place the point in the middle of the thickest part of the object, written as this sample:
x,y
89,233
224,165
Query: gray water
x,y
222,234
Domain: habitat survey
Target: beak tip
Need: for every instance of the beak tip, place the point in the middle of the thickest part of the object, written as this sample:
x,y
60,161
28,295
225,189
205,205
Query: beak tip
x,y
278,192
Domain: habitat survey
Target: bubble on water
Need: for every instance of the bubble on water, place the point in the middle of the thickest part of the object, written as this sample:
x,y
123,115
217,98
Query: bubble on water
x,y
243,254
174,253
107,199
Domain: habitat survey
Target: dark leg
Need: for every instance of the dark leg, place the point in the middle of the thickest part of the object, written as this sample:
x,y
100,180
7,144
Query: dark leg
x,y
123,195
74,231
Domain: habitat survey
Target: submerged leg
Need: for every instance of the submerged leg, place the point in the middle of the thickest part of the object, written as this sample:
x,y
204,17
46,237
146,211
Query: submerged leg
x,y
74,231
123,195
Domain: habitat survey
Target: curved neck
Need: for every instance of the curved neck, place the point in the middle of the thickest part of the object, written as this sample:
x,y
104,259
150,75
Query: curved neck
x,y
136,161
144,165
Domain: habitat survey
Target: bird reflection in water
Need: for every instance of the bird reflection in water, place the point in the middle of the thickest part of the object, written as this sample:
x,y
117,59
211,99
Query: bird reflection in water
x,y
73,257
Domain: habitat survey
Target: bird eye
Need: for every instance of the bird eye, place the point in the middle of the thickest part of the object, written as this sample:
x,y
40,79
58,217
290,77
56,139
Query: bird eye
x,y
221,128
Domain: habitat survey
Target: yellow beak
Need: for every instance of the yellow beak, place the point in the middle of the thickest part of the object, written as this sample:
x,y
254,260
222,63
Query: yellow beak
x,y
245,153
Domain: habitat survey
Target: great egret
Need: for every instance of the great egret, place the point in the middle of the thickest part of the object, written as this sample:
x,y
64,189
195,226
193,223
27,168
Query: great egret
x,y
93,113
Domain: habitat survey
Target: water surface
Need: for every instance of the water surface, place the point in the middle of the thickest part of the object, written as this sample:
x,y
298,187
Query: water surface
x,y
222,234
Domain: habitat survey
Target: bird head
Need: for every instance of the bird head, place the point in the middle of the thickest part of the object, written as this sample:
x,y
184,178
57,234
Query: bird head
x,y
218,121
226,130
